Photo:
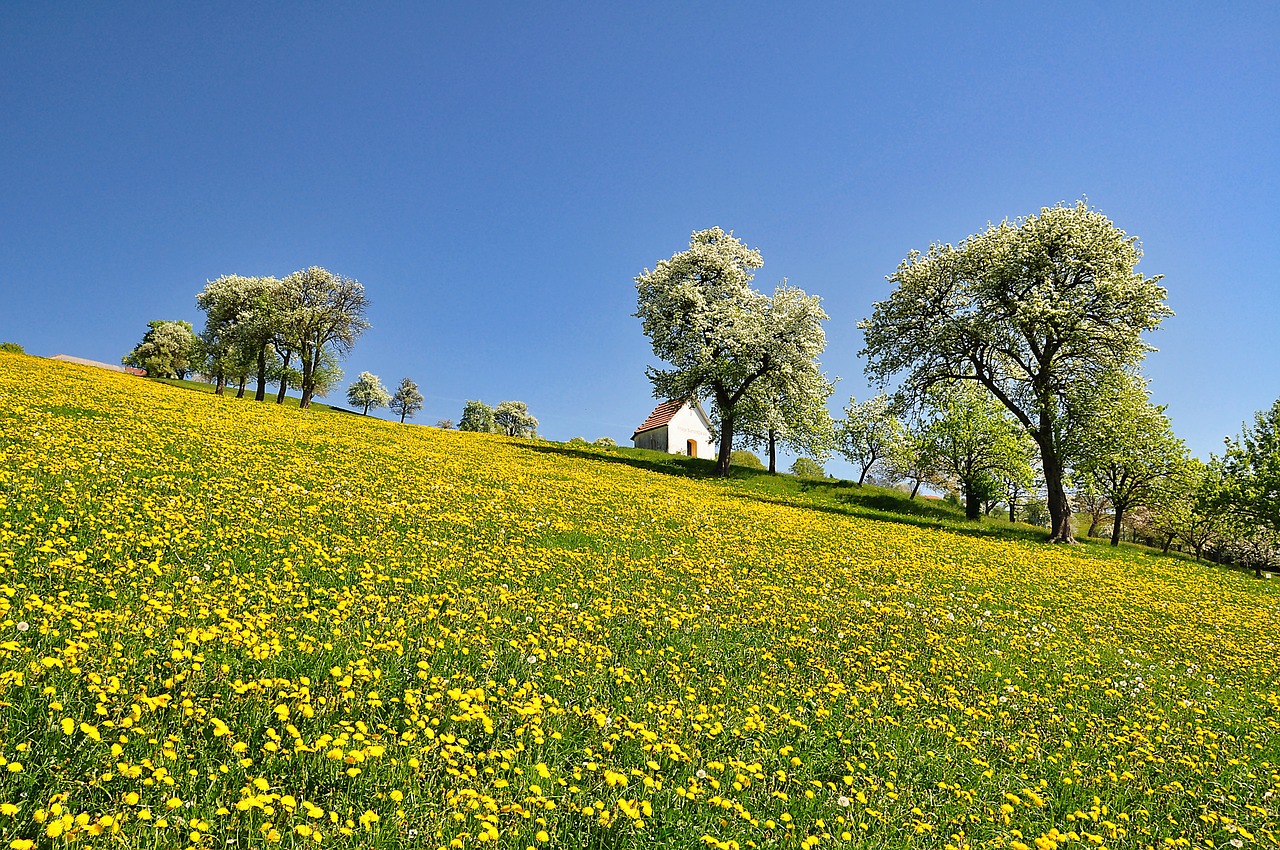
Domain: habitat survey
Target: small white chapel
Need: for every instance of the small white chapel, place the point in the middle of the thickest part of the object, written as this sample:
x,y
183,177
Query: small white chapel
x,y
677,427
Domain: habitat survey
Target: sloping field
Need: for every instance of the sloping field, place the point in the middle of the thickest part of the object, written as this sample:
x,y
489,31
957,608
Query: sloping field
x,y
225,624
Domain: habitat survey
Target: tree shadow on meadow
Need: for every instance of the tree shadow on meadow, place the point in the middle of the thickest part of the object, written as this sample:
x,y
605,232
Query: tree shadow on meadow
x,y
830,496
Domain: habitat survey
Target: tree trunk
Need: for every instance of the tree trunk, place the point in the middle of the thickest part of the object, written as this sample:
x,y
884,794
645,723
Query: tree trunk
x,y
220,383
972,504
773,452
308,371
1013,511
1059,505
1117,527
243,380
863,476
726,445
403,414
366,409
261,374
915,488
284,381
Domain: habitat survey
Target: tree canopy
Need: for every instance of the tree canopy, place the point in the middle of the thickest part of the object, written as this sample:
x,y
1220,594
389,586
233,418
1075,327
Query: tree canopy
x,y
514,419
477,416
167,350
973,441
1034,310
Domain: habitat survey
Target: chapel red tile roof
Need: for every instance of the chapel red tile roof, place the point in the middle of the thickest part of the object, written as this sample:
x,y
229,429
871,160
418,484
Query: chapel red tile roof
x,y
662,414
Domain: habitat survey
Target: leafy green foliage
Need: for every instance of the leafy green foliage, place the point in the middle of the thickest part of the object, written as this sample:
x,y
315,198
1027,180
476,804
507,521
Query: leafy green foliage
x,y
1128,448
12,348
477,416
167,350
868,433
807,467
746,459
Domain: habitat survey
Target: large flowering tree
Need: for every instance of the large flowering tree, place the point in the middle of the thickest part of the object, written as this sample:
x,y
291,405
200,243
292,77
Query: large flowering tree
x,y
720,335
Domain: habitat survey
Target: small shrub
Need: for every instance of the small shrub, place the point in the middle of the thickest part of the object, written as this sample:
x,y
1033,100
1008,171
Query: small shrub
x,y
445,424
606,443
807,467
745,459
12,348
1036,513
579,441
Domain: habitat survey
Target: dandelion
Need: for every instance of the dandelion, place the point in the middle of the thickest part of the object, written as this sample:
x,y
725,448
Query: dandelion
x,y
23,625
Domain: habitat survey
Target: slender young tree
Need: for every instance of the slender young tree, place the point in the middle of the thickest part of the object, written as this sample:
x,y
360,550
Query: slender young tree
x,y
1035,311
407,400
868,434
789,410
719,334
367,391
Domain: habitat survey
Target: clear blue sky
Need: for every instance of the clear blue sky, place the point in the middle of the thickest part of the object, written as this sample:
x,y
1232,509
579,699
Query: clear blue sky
x,y
496,174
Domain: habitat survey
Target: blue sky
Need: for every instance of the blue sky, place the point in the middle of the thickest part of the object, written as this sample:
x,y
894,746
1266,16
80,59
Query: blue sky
x,y
497,174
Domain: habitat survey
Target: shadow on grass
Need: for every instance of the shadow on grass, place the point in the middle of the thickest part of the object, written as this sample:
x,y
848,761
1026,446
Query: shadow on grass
x,y
831,496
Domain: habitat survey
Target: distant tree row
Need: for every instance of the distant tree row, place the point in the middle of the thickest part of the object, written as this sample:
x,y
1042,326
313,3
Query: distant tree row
x,y
367,392
289,331
509,417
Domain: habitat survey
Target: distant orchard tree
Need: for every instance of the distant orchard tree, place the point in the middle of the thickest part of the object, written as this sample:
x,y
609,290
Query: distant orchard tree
x,y
807,467
167,350
407,400
445,424
320,312
514,419
367,391
868,433
974,442
1036,311
477,416
1252,465
789,409
606,442
240,317
12,348
1128,450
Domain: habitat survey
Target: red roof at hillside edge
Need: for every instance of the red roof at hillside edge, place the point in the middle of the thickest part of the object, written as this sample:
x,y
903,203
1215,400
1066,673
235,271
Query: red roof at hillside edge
x,y
662,414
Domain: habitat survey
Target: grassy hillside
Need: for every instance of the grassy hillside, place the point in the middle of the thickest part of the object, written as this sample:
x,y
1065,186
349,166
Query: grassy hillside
x,y
229,624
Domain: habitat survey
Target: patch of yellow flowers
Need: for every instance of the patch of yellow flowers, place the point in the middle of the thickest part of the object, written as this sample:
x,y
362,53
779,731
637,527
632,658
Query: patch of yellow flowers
x,y
229,624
